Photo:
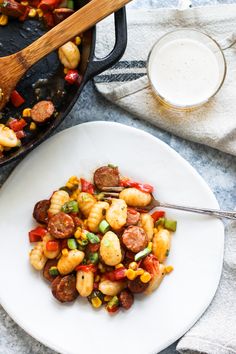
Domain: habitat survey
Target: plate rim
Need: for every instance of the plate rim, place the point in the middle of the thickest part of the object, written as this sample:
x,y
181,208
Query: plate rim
x,y
181,332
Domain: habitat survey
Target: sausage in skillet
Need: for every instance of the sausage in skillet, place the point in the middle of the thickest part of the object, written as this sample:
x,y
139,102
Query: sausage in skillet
x,y
42,111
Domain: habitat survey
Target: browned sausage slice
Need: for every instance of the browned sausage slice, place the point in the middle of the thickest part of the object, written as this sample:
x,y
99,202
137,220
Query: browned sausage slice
x,y
136,286
61,225
106,177
42,111
64,288
40,212
61,14
133,217
135,239
50,263
126,299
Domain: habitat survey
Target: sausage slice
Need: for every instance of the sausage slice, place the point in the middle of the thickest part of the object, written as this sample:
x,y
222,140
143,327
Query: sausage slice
x,y
133,217
126,299
64,288
135,239
42,111
40,212
61,225
106,177
136,286
50,263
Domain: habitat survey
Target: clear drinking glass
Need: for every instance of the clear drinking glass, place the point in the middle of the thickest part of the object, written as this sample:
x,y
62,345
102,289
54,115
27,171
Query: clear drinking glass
x,y
186,68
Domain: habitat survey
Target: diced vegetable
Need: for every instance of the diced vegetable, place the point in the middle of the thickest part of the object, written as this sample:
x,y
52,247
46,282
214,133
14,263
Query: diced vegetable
x,y
16,99
70,207
52,245
125,182
53,271
16,124
72,76
142,254
37,234
48,5
103,226
170,225
93,258
72,244
96,294
86,186
70,4
113,304
157,215
160,222
86,268
117,274
92,238
20,134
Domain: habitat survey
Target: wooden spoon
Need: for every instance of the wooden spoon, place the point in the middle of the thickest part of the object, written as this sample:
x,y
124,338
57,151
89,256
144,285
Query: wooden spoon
x,y
14,66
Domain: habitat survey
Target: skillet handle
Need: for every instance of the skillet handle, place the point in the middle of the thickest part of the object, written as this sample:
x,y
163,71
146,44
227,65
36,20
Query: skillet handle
x,y
96,66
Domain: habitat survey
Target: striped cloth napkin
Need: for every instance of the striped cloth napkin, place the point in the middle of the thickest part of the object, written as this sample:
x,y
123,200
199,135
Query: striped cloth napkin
x,y
126,84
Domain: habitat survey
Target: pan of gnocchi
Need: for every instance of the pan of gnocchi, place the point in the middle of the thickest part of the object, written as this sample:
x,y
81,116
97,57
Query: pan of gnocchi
x,y
96,240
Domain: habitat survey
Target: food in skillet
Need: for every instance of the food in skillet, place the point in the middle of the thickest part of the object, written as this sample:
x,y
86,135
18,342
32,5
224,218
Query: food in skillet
x,y
27,121
104,248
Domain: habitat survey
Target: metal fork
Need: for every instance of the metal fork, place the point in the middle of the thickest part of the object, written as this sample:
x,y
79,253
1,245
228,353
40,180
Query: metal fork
x,y
113,192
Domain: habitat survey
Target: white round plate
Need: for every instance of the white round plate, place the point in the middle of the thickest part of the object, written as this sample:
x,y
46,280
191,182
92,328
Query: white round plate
x,y
154,322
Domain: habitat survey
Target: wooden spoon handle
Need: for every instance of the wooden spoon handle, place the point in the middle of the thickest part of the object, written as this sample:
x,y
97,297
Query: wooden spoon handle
x,y
79,22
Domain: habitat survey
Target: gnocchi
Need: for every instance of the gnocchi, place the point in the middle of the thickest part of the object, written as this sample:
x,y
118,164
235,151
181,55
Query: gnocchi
x,y
96,215
37,257
135,198
7,137
84,282
111,288
59,198
116,215
156,280
69,55
110,250
147,223
161,244
67,263
86,201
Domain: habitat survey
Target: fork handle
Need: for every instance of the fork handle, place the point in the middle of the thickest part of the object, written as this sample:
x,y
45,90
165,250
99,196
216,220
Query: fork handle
x,y
213,212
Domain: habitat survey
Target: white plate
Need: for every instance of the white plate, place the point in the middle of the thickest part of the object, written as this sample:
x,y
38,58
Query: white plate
x,y
153,323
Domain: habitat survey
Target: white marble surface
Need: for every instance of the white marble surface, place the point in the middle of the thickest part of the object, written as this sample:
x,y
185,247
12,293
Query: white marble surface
x,y
218,169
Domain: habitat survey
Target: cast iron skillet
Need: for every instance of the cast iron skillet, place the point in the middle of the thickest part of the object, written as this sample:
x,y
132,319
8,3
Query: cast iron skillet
x,y
46,78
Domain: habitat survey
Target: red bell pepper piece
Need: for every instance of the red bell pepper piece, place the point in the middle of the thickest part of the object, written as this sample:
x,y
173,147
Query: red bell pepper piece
x,y
37,234
87,268
112,309
72,76
23,17
93,247
48,5
157,215
117,274
151,264
16,99
48,19
147,188
86,186
17,124
52,245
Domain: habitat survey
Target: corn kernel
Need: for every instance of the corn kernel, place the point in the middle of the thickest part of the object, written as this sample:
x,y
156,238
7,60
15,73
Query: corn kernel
x,y
24,3
74,195
169,269
145,277
26,112
101,268
78,232
120,265
72,181
32,126
96,302
133,265
3,20
77,40
85,222
32,13
107,298
139,271
39,12
65,70
65,252
83,236
131,274
97,278
150,245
